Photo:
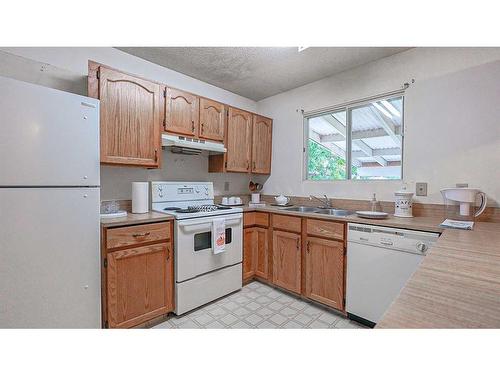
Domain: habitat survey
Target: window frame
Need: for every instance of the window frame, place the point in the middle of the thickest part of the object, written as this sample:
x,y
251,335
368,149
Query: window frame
x,y
348,107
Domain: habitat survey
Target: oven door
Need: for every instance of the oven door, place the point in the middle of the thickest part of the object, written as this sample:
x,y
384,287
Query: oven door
x,y
193,246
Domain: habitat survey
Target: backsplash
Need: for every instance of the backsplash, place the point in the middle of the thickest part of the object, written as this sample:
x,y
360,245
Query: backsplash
x,y
116,182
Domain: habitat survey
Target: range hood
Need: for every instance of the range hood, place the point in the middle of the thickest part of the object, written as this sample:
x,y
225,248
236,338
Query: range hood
x,y
184,145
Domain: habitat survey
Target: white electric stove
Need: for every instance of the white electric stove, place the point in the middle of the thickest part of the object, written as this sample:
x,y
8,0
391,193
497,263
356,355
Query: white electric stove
x,y
200,275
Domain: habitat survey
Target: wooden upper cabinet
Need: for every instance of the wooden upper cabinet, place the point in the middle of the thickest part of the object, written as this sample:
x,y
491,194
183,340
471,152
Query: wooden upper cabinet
x,y
212,120
181,112
325,272
262,131
130,124
139,284
287,260
238,143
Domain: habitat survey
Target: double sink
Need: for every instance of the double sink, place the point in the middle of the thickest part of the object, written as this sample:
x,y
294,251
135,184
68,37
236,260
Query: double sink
x,y
324,211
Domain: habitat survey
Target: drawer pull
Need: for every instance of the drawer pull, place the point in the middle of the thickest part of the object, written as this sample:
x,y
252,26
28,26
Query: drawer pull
x,y
141,234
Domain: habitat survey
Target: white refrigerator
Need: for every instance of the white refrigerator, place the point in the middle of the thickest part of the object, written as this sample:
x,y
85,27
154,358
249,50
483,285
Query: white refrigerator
x,y
49,208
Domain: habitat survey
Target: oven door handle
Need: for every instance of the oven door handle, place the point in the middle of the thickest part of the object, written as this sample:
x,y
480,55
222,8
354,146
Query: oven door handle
x,y
206,225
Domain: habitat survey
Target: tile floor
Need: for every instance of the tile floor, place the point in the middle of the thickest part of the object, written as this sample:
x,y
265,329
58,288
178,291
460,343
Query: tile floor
x,y
258,305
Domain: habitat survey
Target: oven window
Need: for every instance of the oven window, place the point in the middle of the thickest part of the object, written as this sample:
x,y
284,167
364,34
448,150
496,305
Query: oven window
x,y
203,240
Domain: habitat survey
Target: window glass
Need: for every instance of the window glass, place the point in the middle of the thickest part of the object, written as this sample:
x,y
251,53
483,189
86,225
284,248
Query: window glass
x,y
376,135
327,147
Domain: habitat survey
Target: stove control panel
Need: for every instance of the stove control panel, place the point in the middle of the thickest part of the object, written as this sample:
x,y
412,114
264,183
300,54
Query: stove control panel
x,y
166,191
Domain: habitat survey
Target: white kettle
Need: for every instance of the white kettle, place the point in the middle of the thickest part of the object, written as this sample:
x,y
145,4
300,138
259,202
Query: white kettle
x,y
460,202
281,200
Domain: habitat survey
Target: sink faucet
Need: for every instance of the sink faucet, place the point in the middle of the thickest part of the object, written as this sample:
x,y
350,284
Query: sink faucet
x,y
325,201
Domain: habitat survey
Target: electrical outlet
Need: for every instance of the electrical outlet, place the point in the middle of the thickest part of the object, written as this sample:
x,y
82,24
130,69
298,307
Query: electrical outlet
x,y
421,189
462,185
226,186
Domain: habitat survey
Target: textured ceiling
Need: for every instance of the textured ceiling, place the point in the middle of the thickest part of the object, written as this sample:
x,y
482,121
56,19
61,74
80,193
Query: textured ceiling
x,y
259,72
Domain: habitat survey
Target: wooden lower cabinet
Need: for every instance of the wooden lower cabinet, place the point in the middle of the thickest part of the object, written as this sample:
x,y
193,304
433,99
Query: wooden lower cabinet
x,y
287,260
325,271
262,251
255,253
138,280
249,244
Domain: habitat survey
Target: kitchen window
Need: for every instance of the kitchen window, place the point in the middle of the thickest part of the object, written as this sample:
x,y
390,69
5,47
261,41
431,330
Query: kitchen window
x,y
359,141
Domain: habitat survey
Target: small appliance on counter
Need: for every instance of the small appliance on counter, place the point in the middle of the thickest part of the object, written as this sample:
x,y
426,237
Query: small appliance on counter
x,y
403,203
460,203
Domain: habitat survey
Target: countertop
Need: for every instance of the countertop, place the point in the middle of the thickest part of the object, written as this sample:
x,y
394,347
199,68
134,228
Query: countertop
x,y
428,224
457,285
132,219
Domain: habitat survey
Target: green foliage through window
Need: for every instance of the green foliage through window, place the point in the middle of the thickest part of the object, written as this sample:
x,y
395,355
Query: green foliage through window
x,y
324,164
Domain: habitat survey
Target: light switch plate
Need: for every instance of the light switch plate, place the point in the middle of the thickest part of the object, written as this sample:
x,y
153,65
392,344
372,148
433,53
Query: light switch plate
x,y
421,189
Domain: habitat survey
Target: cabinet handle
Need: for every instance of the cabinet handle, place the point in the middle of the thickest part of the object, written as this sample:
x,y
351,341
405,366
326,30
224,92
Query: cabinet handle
x,y
248,165
192,127
298,245
141,234
308,247
202,127
156,154
168,254
254,166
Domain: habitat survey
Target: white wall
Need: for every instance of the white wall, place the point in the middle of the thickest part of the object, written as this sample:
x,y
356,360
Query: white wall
x,y
66,68
431,155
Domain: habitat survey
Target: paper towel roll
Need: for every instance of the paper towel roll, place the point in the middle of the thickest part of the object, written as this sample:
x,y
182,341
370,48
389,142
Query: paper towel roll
x,y
140,197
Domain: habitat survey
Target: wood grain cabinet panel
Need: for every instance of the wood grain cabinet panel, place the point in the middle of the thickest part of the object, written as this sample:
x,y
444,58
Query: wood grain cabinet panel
x,y
287,260
212,120
261,257
325,271
181,112
136,235
130,120
139,284
325,228
287,223
256,218
238,141
262,131
249,252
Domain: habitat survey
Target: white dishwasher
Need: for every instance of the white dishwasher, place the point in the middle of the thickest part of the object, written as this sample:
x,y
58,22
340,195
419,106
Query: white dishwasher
x,y
380,260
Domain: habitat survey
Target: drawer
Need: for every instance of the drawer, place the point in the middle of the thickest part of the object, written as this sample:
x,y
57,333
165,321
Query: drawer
x,y
137,234
287,223
324,228
256,218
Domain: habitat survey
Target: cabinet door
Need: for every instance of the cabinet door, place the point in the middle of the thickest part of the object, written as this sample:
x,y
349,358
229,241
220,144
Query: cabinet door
x,y
181,112
211,120
130,119
239,130
261,144
139,284
325,272
261,258
286,260
249,252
